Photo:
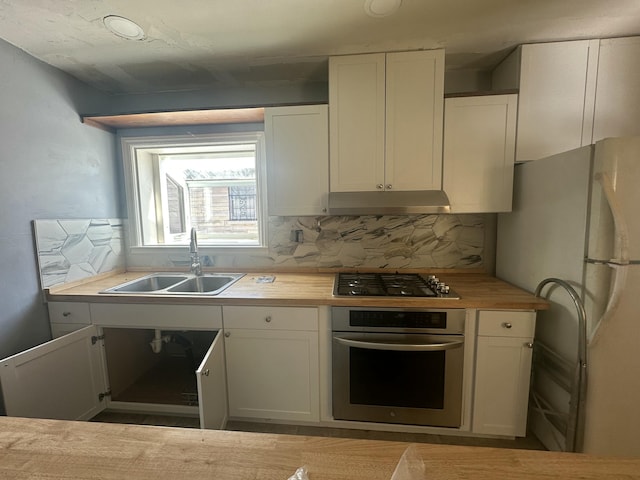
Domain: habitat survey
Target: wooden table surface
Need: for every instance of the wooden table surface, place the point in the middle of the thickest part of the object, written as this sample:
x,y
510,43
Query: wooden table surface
x,y
476,290
56,449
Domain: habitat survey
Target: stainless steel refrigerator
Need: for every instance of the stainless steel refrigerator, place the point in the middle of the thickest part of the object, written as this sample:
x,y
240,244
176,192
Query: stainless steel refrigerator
x,y
576,217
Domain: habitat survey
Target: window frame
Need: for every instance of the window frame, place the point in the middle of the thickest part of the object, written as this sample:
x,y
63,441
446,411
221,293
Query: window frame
x,y
157,145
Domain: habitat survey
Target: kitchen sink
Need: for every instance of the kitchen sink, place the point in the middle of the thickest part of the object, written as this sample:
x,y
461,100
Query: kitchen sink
x,y
204,284
177,284
150,283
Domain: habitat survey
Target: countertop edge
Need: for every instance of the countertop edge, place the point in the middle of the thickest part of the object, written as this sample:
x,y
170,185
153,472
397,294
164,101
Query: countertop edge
x,y
477,290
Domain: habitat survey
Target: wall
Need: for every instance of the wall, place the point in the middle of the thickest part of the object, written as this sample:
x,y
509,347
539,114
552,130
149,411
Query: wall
x,y
51,166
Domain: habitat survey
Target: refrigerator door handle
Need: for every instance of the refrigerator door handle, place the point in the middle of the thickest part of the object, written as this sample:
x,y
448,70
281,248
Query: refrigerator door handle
x,y
621,231
619,264
610,263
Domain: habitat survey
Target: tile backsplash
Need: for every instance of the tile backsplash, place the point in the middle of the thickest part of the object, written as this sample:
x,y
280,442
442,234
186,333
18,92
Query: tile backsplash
x,y
70,250
389,241
418,241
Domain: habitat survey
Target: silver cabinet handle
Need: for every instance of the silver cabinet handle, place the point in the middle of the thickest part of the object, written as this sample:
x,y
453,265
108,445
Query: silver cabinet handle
x,y
206,373
227,334
66,314
379,186
268,319
399,347
528,345
507,325
388,186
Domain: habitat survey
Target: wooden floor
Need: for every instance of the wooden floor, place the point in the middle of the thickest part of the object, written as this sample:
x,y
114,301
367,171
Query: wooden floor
x,y
529,442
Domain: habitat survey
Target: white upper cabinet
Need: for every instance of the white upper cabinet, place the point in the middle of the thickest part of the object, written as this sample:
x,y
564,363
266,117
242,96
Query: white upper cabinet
x,y
385,124
554,79
617,103
297,143
573,93
479,147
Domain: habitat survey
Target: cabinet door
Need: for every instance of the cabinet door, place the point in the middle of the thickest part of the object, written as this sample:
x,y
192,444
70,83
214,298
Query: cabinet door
x,y
479,149
297,143
356,122
273,374
503,370
617,110
212,386
555,80
61,379
414,115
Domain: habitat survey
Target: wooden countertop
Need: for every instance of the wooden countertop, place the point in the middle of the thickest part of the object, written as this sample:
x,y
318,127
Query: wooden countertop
x,y
476,291
38,449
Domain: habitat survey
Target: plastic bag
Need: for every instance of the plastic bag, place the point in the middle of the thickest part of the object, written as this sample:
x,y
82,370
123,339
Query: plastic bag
x,y
410,466
301,474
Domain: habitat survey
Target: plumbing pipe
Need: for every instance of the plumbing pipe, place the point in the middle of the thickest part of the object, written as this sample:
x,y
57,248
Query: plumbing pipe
x,y
158,340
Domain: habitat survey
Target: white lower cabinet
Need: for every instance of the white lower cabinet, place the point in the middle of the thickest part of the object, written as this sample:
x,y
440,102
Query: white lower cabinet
x,y
272,363
503,370
66,317
113,365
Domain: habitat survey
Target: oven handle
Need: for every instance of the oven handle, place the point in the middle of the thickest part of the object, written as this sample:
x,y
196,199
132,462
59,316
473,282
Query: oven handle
x,y
400,347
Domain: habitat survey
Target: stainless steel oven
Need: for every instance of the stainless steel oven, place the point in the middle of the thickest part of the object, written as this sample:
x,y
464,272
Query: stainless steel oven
x,y
395,365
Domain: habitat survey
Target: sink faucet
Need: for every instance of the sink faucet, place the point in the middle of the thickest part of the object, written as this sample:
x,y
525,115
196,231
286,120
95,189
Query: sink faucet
x,y
196,267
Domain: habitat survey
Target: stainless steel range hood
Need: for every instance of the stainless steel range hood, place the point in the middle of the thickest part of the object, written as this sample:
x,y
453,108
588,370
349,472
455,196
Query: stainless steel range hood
x,y
388,202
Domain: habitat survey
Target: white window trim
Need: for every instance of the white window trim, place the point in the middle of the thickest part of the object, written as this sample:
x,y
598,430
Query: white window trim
x,y
160,144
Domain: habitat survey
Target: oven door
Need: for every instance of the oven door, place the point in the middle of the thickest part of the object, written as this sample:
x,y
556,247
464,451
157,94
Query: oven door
x,y
411,379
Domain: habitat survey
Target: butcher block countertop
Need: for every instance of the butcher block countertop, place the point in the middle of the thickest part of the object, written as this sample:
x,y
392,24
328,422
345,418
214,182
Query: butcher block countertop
x,y
56,449
295,289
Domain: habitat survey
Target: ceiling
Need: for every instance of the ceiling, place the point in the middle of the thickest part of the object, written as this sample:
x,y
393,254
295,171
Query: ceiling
x,y
204,44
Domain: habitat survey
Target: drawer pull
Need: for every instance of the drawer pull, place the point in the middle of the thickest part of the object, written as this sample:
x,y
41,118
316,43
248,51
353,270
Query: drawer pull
x,y
528,345
507,325
268,319
227,334
66,314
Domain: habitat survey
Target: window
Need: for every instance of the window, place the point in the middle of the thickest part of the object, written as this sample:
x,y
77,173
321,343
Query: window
x,y
211,182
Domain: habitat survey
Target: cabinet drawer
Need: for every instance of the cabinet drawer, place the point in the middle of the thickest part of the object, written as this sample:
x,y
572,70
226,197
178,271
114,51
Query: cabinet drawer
x,y
62,329
69,312
273,318
506,324
157,316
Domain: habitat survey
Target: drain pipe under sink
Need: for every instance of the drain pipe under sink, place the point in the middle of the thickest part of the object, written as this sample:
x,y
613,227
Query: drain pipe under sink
x,y
158,340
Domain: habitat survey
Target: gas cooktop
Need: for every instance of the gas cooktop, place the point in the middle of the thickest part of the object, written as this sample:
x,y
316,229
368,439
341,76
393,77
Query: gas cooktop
x,y
391,285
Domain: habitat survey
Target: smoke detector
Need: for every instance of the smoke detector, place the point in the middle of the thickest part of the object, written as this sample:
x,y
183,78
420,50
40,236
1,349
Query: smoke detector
x,y
381,8
123,27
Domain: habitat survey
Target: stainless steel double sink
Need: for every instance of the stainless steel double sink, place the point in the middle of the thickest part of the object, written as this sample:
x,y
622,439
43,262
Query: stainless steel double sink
x,y
177,284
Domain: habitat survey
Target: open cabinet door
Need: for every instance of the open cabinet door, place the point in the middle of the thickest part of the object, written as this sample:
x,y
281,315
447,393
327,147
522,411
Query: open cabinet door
x,y
212,386
61,379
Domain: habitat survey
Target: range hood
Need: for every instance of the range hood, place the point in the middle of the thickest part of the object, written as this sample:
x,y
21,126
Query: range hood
x,y
388,202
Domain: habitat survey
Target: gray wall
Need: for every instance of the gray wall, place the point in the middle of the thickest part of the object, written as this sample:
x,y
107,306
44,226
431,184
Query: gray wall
x,y
51,166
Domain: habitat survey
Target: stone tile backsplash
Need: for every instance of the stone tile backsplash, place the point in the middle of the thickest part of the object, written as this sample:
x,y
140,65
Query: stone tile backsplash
x,y
407,241
70,250
420,241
